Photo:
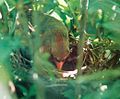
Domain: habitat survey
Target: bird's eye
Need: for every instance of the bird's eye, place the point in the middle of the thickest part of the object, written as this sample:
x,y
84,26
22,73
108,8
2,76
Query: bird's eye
x,y
58,59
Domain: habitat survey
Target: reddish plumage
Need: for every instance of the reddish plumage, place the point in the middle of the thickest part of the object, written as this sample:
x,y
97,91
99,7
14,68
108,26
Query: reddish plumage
x,y
54,39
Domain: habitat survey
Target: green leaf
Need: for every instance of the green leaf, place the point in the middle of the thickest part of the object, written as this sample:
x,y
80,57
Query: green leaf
x,y
114,27
6,46
1,2
69,94
23,89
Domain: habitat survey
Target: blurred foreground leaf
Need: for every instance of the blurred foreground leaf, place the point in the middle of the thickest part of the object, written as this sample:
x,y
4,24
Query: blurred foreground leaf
x,y
6,46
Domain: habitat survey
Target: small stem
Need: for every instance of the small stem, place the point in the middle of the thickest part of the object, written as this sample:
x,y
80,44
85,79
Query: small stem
x,y
82,31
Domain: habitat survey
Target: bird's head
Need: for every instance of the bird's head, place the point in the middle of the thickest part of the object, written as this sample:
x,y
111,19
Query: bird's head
x,y
60,50
59,59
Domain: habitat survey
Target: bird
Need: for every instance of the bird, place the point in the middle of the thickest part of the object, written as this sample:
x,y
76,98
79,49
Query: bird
x,y
54,39
53,36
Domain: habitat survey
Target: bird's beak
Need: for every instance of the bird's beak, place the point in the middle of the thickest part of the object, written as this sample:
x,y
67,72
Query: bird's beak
x,y
59,65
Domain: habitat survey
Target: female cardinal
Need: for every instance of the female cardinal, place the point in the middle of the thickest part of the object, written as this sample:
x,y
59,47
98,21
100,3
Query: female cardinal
x,y
54,39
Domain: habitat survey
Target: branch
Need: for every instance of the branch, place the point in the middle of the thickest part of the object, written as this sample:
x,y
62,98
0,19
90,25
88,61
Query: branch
x,y
82,30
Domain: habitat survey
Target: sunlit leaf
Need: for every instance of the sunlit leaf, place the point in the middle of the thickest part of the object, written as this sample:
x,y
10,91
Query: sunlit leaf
x,y
1,2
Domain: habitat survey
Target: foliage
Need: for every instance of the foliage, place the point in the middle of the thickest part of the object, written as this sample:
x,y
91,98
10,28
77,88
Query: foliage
x,y
30,72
